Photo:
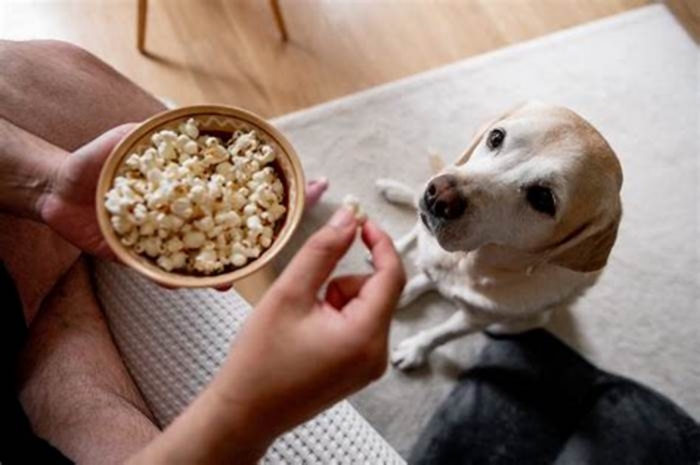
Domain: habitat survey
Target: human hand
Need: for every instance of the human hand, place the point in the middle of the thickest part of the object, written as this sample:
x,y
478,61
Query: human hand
x,y
68,207
297,354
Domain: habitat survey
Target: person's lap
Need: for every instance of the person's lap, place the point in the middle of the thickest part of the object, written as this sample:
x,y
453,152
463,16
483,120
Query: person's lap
x,y
71,373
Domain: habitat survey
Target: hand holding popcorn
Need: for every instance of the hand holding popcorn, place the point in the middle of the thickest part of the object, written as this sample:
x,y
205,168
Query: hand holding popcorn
x,y
68,206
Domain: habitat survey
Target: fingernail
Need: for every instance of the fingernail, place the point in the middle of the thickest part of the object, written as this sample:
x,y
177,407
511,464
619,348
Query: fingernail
x,y
342,218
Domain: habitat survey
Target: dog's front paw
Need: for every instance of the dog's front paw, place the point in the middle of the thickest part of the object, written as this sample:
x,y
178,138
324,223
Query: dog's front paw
x,y
410,353
391,190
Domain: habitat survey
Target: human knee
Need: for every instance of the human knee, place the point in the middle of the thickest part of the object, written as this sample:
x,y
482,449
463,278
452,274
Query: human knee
x,y
66,51
20,60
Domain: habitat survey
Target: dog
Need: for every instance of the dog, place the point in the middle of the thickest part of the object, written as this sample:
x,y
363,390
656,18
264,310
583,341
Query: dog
x,y
525,219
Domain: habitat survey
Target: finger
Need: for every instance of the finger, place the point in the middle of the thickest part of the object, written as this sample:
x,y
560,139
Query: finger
x,y
90,157
312,265
224,288
315,190
378,297
343,289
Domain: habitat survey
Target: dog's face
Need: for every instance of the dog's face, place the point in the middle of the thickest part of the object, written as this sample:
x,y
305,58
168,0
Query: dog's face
x,y
539,179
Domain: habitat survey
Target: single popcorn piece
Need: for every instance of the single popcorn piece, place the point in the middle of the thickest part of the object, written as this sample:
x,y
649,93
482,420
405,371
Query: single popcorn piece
x,y
207,261
194,239
198,203
238,259
190,129
353,203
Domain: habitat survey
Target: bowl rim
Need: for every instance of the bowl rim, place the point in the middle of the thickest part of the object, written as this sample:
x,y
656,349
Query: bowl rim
x,y
151,270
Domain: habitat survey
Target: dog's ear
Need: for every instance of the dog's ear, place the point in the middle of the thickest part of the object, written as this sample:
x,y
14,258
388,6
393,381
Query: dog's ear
x,y
589,249
482,131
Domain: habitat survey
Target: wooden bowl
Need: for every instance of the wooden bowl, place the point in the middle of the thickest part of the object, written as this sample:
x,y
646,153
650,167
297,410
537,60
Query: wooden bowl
x,y
210,118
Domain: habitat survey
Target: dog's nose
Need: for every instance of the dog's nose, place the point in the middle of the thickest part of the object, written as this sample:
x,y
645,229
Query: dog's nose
x,y
443,199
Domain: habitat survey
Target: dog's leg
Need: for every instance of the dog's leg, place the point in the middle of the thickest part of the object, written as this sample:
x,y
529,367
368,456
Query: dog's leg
x,y
413,352
397,193
403,243
416,287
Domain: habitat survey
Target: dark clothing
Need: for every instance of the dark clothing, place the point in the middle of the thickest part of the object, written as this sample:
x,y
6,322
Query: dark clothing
x,y
17,443
530,399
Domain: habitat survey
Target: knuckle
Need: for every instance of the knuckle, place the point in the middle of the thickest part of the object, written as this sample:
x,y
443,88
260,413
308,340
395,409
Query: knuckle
x,y
288,294
282,294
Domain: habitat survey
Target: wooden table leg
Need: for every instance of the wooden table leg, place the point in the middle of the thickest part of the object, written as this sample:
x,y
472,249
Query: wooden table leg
x,y
279,19
141,25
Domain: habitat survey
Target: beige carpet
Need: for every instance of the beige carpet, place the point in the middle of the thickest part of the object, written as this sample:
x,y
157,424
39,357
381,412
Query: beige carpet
x,y
635,77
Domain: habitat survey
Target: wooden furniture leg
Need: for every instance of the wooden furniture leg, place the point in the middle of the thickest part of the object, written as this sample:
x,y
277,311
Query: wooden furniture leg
x,y
279,19
141,25
143,16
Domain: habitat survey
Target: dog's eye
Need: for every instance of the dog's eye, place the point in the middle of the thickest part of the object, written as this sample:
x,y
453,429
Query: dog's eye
x,y
541,199
495,138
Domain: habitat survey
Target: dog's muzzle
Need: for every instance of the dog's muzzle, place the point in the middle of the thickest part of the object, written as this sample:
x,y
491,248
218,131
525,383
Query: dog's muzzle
x,y
442,199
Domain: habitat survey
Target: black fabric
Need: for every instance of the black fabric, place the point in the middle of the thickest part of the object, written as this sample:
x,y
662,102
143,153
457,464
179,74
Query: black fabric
x,y
530,399
17,442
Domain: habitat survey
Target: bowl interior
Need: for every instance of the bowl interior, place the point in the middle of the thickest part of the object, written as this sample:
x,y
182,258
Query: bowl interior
x,y
213,120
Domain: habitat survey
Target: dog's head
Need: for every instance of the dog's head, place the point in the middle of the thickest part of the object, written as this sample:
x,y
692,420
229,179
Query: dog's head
x,y
538,179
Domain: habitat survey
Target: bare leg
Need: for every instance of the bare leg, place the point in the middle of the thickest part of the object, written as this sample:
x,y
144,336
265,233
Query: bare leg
x,y
397,193
66,96
413,352
416,287
73,384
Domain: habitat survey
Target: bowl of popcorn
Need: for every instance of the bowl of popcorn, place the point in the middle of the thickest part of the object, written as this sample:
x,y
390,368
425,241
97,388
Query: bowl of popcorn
x,y
200,196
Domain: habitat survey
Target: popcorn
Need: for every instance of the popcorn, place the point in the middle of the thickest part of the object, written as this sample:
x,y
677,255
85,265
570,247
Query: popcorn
x,y
194,239
205,224
121,224
353,203
174,245
182,207
196,203
190,129
229,218
238,259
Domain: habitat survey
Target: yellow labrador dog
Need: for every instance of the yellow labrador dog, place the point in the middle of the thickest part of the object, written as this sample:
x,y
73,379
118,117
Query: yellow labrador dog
x,y
525,219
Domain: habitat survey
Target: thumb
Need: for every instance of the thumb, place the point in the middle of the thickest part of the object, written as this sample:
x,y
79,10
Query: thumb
x,y
89,158
319,256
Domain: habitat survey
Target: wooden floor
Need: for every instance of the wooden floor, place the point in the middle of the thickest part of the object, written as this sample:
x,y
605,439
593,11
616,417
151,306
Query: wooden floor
x,y
228,51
